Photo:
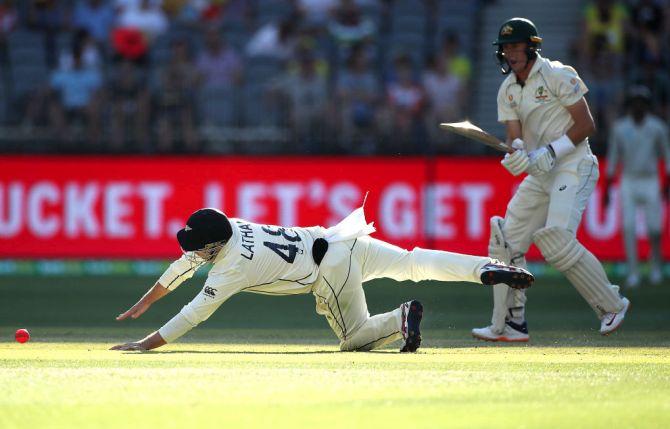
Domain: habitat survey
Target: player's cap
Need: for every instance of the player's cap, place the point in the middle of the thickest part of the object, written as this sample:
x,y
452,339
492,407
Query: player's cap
x,y
204,227
517,30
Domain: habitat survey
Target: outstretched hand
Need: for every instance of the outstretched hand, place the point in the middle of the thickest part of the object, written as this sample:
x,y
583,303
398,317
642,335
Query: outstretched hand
x,y
134,346
135,311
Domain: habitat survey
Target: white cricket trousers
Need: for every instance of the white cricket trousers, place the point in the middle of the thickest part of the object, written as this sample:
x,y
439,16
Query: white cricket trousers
x,y
347,264
636,192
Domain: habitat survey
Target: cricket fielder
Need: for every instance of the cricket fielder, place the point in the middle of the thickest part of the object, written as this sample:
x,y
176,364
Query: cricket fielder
x,y
542,104
637,142
330,263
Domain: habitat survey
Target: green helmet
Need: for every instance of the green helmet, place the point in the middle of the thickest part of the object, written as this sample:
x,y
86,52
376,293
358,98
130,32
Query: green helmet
x,y
517,30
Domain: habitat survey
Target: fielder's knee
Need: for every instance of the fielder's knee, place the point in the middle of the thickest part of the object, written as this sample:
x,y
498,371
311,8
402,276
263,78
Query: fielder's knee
x,y
559,247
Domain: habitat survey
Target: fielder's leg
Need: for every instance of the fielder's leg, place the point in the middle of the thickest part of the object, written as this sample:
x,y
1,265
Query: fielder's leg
x,y
340,297
652,210
382,259
629,211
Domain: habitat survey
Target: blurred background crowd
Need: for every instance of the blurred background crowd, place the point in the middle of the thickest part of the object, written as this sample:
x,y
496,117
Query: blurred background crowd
x,y
297,77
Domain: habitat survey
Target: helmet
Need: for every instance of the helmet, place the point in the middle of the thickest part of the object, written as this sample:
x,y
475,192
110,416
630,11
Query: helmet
x,y
204,227
517,30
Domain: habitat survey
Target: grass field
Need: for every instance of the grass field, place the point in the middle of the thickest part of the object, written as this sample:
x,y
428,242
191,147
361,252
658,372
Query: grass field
x,y
271,362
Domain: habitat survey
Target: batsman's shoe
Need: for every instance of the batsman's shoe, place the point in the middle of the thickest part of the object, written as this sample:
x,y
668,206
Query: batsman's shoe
x,y
611,321
514,277
513,333
412,313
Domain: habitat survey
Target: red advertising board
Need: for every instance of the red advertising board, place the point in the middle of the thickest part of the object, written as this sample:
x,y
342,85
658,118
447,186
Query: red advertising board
x,y
101,207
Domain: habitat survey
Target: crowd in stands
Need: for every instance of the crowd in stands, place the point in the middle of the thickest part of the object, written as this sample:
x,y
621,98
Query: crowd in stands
x,y
229,76
279,76
623,43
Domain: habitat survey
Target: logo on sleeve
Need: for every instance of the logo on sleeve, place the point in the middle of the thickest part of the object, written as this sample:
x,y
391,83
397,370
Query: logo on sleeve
x,y
209,291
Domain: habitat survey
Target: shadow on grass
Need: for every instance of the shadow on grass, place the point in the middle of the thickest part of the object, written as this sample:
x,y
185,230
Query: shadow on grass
x,y
235,352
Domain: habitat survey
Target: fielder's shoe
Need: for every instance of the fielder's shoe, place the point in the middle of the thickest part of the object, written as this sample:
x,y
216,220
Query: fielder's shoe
x,y
412,312
514,277
633,281
513,333
655,276
611,321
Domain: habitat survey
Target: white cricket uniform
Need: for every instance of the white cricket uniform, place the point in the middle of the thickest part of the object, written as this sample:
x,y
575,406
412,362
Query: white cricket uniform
x,y
278,261
558,198
638,148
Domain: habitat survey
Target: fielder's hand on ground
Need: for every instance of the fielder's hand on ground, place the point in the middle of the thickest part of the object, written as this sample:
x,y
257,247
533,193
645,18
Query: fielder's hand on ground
x,y
516,162
542,160
135,346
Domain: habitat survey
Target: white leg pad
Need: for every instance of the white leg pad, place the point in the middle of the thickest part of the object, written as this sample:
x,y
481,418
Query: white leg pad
x,y
504,297
562,250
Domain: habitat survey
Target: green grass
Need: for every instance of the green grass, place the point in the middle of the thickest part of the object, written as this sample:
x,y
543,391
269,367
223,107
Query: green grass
x,y
271,362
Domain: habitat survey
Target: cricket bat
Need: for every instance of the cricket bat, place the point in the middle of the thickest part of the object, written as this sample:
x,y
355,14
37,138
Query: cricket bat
x,y
471,131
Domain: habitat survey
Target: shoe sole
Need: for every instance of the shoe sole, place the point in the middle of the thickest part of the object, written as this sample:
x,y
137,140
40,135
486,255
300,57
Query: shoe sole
x,y
513,279
501,339
414,316
604,334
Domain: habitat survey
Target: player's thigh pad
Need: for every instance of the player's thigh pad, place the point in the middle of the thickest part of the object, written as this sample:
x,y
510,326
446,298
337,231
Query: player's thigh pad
x,y
569,193
562,250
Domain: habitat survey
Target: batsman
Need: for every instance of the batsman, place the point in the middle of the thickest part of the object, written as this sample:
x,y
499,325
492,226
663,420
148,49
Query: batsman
x,y
548,122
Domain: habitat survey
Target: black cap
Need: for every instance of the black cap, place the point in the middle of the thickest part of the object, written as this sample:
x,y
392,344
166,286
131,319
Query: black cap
x,y
204,227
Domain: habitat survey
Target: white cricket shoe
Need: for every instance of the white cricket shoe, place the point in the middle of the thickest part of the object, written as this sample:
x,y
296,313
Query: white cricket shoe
x,y
610,322
655,276
512,333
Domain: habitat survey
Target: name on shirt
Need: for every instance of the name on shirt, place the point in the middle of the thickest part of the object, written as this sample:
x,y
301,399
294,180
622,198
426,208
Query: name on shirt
x,y
247,240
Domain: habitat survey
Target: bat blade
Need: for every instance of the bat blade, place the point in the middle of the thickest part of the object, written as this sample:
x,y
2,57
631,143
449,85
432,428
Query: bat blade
x,y
471,131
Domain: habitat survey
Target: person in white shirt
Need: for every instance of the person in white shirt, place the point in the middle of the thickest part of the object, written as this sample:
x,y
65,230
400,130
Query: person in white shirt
x,y
542,104
330,263
637,142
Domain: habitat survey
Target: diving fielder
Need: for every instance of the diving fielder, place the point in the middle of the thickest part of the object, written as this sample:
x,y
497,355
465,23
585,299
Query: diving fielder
x,y
330,263
542,104
637,142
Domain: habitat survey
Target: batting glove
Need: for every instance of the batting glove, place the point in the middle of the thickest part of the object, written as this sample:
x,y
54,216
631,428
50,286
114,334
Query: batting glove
x,y
516,162
542,160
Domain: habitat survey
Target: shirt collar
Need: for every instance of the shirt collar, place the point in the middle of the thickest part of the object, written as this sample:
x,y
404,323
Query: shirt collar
x,y
539,62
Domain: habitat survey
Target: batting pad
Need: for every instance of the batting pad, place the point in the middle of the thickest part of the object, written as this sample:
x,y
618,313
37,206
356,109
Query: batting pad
x,y
504,297
562,250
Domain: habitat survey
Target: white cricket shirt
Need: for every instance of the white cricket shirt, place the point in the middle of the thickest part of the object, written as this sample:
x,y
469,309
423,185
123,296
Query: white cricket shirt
x,y
638,147
540,104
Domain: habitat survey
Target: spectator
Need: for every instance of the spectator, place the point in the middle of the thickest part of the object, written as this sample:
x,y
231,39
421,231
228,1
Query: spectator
x,y
8,17
75,99
275,40
349,28
458,64
647,22
144,15
306,91
90,53
406,101
317,12
605,20
96,17
49,17
175,100
358,96
218,65
130,106
445,97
